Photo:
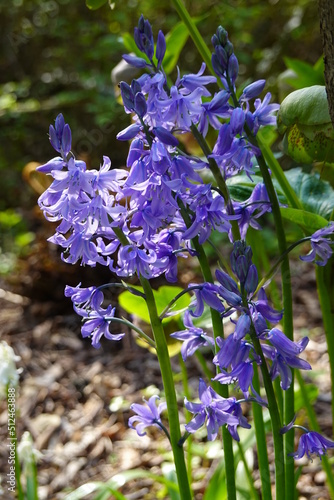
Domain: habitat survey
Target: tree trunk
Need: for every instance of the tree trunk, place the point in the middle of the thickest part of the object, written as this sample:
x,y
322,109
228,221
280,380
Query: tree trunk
x,y
326,16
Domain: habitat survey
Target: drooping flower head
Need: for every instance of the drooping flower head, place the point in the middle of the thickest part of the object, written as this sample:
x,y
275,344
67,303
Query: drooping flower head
x,y
321,245
214,411
147,415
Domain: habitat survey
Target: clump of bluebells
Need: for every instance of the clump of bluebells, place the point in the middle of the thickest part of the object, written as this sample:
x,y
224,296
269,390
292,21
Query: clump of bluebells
x,y
142,220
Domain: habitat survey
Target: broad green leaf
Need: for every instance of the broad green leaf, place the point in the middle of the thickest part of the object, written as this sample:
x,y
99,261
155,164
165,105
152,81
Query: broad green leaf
x,y
136,305
175,41
95,4
308,221
133,304
304,120
307,75
241,187
316,195
163,296
308,106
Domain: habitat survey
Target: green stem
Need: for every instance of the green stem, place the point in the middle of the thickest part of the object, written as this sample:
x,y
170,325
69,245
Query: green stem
x,y
275,421
325,293
133,327
168,383
261,442
287,324
218,330
188,415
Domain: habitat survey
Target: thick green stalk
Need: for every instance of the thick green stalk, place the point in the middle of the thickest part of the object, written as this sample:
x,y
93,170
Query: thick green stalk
x,y
275,421
188,415
168,382
325,293
262,451
287,323
218,330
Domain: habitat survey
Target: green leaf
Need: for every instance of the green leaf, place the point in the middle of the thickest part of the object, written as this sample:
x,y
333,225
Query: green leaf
x,y
163,296
308,221
95,4
308,106
304,120
104,490
316,195
175,41
307,75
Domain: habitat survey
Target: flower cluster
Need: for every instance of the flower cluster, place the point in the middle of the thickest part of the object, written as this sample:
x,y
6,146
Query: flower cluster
x,y
140,220
238,352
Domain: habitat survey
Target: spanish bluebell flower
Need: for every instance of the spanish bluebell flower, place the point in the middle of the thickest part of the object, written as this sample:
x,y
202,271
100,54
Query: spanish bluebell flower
x,y
282,364
321,243
210,214
233,154
252,90
251,209
214,411
82,297
193,337
206,293
147,416
60,136
137,62
238,355
160,49
87,302
263,114
192,82
312,443
181,109
143,36
132,260
284,353
217,107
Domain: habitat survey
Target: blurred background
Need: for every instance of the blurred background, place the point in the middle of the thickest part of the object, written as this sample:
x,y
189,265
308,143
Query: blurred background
x,y
57,56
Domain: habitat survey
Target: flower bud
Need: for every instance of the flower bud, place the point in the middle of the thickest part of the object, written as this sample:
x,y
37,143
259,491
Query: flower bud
x,y
165,136
160,49
252,90
140,106
233,68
